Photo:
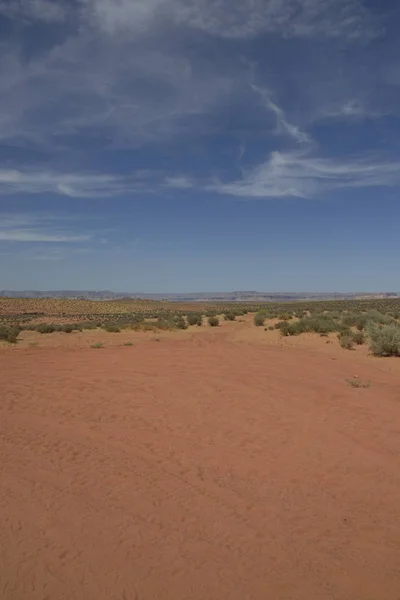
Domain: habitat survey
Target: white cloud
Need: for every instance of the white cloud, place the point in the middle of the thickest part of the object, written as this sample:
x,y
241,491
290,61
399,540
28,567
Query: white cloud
x,y
283,125
238,18
179,182
296,174
72,185
352,109
33,10
41,228
27,235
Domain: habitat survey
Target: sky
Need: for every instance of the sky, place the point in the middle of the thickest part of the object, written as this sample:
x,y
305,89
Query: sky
x,y
200,145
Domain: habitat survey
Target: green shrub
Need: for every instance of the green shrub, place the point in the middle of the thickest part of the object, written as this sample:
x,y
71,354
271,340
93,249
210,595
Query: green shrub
x,y
9,334
180,323
315,324
376,317
286,316
230,316
112,328
384,340
346,341
45,328
358,338
259,319
195,319
88,325
213,321
360,322
68,328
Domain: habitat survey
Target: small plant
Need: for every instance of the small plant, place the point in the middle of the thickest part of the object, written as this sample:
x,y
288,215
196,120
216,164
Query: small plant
x,y
98,345
128,344
259,319
213,321
68,328
358,383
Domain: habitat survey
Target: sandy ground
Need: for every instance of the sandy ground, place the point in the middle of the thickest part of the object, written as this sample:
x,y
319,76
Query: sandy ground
x,y
214,466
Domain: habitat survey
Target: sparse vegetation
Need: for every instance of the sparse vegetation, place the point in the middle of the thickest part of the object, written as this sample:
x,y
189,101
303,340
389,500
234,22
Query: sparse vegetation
x,y
45,328
112,328
358,383
350,319
98,345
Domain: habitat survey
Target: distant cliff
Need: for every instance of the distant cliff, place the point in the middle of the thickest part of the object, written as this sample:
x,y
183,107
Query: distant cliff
x,y
238,296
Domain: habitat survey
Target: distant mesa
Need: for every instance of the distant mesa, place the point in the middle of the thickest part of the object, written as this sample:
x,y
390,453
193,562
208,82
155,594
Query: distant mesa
x,y
236,296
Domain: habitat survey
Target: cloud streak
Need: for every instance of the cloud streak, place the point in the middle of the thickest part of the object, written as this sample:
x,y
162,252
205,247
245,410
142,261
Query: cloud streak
x,y
299,175
39,228
70,185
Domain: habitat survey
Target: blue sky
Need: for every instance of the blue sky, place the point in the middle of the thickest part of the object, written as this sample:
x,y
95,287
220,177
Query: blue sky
x,y
200,145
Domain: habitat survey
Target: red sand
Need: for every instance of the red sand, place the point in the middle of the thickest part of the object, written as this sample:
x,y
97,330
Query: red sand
x,y
198,468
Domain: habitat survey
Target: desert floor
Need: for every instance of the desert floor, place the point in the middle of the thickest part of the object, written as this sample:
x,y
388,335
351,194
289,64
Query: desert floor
x,y
205,464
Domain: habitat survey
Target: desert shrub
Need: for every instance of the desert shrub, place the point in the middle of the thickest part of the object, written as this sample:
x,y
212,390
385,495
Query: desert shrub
x,y
89,325
45,328
230,316
286,316
319,323
384,340
112,328
195,319
346,341
9,334
259,319
350,319
271,328
180,323
358,338
68,328
377,317
213,321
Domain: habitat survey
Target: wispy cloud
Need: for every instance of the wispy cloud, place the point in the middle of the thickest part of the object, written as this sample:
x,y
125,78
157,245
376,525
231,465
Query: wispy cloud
x,y
27,235
297,174
283,125
238,18
71,185
40,228
33,10
179,182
